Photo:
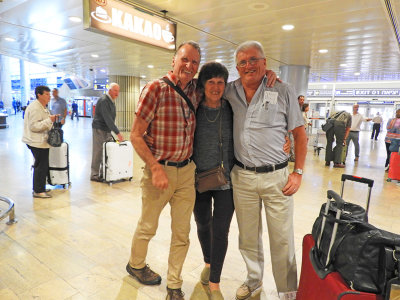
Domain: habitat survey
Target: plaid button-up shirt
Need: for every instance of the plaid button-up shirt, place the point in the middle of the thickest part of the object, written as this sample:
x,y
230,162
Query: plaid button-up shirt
x,y
171,121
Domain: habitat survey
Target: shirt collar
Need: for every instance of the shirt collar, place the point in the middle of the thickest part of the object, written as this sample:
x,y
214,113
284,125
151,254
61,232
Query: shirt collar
x,y
176,81
110,97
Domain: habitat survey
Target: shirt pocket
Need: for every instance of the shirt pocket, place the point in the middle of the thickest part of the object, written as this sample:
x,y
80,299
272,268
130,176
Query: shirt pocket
x,y
264,115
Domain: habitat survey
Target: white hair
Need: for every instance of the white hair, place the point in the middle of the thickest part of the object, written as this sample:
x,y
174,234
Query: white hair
x,y
247,45
112,85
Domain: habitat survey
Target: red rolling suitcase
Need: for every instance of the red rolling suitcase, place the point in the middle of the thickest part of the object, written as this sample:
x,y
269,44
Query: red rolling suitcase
x,y
394,167
329,285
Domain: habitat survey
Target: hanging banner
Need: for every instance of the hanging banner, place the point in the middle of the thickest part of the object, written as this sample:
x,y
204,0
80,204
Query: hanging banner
x,y
125,21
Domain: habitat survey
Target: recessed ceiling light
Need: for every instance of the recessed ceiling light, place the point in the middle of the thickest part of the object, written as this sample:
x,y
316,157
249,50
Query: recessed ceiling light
x,y
357,74
143,76
287,27
343,65
218,60
10,39
75,19
95,55
150,66
323,50
103,70
258,6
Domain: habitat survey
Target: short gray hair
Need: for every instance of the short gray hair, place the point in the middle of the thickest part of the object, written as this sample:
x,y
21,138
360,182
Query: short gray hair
x,y
191,43
247,45
113,84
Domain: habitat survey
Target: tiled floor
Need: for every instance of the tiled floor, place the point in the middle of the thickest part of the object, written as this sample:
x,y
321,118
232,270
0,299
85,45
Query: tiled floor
x,y
76,244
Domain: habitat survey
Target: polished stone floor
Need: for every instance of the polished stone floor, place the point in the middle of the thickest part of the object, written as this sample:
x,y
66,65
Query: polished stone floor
x,y
76,244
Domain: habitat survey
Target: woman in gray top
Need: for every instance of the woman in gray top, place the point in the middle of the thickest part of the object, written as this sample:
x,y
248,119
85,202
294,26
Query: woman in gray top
x,y
213,224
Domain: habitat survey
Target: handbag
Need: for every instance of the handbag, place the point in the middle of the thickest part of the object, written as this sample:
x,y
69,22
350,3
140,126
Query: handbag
x,y
215,177
56,135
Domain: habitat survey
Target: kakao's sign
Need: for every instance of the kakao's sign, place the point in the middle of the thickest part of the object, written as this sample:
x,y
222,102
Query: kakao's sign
x,y
124,20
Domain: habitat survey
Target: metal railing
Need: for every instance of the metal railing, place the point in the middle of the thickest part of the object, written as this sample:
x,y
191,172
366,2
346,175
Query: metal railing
x,y
9,212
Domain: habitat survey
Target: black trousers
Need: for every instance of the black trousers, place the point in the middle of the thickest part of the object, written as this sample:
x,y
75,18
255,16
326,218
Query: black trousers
x,y
213,227
376,128
40,168
388,153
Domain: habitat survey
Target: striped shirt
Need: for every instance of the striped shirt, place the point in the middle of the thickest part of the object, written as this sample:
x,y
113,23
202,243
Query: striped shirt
x,y
171,121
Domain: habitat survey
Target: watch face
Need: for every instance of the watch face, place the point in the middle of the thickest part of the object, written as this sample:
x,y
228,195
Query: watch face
x,y
299,171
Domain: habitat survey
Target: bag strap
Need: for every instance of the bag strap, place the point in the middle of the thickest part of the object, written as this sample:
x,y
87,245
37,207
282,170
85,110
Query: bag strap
x,y
220,136
180,92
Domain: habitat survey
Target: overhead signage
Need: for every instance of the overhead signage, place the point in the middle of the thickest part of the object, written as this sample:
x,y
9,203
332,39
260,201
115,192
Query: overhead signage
x,y
356,93
125,21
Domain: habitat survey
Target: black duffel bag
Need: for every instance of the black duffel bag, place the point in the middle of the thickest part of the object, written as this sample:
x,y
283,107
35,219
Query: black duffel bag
x,y
350,212
367,257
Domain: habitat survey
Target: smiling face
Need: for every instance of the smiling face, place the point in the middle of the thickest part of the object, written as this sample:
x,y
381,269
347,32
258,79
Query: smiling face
x,y
214,89
254,66
185,64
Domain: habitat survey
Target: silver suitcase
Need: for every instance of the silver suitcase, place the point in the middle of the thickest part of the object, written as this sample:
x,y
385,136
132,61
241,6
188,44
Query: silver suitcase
x,y
117,161
59,165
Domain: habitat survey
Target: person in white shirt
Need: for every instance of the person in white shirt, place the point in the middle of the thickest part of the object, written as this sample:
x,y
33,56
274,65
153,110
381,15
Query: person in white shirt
x,y
376,128
356,120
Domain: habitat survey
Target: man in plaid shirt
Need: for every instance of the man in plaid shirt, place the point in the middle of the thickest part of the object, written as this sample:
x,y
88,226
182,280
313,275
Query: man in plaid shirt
x,y
168,176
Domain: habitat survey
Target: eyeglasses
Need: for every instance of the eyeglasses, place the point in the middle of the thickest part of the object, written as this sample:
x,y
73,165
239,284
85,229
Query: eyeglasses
x,y
252,61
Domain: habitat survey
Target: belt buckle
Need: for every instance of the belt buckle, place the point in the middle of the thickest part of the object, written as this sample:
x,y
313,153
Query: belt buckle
x,y
273,168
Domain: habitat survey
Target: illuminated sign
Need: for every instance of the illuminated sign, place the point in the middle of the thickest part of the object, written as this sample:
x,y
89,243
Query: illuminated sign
x,y
126,21
357,93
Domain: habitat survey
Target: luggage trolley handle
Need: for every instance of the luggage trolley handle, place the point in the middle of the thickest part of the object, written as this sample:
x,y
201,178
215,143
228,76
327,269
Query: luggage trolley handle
x,y
340,206
370,183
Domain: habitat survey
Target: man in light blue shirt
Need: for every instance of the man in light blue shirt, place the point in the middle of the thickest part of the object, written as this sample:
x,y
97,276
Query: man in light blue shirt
x,y
262,118
58,106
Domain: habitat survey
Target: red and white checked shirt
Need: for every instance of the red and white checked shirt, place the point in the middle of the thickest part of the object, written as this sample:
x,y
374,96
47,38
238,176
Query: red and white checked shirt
x,y
171,122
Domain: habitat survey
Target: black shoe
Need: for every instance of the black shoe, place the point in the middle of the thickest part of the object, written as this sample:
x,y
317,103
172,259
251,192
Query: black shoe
x,y
327,163
144,275
96,179
175,294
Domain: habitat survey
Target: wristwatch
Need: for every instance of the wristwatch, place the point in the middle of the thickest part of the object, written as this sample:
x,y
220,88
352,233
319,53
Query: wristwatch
x,y
298,171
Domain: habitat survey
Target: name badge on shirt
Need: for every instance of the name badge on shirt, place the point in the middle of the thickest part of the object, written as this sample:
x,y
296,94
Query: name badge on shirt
x,y
270,97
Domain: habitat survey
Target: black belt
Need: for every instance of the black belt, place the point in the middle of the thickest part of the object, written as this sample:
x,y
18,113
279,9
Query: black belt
x,y
354,131
262,169
178,164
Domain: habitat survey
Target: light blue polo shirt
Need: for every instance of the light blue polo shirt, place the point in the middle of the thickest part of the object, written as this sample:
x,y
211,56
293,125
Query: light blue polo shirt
x,y
58,106
259,129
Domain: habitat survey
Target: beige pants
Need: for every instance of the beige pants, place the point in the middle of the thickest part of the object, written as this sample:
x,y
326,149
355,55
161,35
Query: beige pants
x,y
181,197
250,191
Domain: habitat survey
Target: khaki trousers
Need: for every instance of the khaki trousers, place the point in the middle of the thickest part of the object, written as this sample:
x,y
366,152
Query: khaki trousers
x,y
180,194
250,191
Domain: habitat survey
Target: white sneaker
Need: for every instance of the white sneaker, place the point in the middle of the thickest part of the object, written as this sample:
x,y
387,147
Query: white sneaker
x,y
288,295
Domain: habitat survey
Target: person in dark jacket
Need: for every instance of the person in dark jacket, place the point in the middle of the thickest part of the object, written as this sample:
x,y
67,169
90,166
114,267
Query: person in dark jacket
x,y
103,124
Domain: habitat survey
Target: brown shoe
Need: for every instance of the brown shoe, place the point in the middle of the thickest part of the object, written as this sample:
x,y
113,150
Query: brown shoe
x,y
338,165
175,294
356,159
327,163
144,275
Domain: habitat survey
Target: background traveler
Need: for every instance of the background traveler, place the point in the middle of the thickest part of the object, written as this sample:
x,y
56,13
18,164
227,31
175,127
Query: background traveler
x,y
37,123
102,125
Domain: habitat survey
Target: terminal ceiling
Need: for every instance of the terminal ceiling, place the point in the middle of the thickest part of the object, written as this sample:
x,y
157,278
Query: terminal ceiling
x,y
358,35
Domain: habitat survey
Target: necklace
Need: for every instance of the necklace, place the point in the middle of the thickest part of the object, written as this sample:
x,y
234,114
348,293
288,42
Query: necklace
x,y
205,114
